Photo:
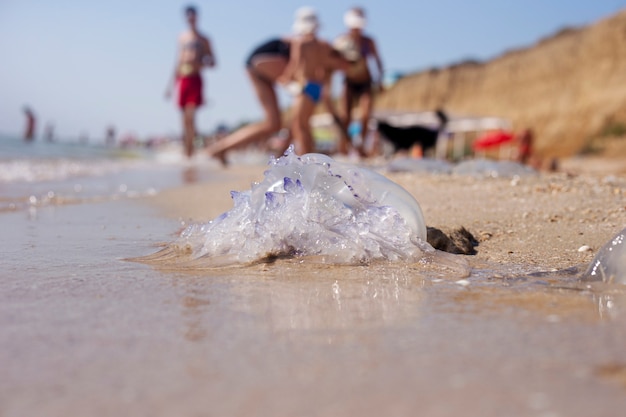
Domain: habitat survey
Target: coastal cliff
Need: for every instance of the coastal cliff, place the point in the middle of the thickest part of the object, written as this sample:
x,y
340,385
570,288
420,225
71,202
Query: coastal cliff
x,y
569,88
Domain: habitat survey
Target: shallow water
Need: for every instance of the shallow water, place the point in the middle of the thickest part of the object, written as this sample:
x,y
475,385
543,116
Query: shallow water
x,y
47,174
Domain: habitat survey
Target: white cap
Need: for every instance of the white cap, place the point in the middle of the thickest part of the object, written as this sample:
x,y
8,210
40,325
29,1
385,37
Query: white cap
x,y
354,19
305,21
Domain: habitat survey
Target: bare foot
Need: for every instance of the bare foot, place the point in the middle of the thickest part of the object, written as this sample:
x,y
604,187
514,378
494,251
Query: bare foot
x,y
219,155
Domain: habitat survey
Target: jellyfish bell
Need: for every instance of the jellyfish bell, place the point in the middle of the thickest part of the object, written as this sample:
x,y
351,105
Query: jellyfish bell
x,y
356,186
609,264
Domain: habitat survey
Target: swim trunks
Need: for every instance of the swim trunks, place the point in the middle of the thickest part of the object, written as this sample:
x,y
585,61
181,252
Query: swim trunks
x,y
313,90
190,91
273,47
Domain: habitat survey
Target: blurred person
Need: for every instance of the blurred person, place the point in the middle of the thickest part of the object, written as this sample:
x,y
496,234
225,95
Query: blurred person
x,y
327,99
195,53
359,83
273,63
110,135
525,146
264,66
31,121
311,62
49,132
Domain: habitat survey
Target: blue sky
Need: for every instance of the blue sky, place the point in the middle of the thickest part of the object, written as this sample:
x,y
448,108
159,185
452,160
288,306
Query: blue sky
x,y
83,65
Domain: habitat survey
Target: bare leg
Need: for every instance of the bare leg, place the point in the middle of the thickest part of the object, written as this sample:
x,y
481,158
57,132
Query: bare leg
x,y
255,131
345,105
365,104
376,146
189,129
303,137
344,139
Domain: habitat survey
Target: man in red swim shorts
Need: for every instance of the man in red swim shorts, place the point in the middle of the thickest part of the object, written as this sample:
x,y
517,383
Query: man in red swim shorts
x,y
195,53
190,91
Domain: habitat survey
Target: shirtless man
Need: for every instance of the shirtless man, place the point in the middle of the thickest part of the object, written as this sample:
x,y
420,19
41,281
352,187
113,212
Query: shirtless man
x,y
311,60
195,53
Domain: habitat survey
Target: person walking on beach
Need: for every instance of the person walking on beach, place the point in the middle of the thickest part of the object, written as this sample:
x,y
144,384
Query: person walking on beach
x,y
29,132
359,84
195,53
264,66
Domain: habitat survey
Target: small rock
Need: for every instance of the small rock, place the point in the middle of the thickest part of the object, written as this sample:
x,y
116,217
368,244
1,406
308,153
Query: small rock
x,y
458,241
584,248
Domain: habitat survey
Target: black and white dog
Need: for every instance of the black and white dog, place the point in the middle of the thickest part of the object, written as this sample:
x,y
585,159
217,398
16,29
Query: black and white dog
x,y
404,138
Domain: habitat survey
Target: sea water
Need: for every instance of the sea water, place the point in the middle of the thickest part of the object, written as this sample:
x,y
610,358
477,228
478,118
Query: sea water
x,y
42,174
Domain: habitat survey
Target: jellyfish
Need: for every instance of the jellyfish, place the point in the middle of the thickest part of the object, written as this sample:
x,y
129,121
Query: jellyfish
x,y
309,206
609,264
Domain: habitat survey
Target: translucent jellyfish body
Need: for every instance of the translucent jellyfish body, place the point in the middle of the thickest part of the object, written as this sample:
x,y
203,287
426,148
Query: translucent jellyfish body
x,y
609,265
312,206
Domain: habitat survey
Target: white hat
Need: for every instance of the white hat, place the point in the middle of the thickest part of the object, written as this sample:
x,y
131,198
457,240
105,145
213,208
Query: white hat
x,y
305,21
354,19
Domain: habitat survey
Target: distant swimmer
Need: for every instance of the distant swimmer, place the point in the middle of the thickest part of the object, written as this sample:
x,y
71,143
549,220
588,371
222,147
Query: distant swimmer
x,y
110,135
49,132
359,82
195,53
29,132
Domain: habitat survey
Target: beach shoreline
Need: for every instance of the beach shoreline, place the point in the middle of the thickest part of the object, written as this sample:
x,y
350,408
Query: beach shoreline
x,y
541,220
86,332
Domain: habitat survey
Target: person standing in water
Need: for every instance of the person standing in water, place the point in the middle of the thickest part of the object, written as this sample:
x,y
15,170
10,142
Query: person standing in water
x,y
29,132
359,83
195,53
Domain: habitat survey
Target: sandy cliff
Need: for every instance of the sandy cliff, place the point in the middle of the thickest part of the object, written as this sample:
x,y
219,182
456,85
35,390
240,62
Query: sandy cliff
x,y
568,87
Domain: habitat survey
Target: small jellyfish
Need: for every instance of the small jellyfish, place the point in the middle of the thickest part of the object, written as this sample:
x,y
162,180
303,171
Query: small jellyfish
x,y
609,265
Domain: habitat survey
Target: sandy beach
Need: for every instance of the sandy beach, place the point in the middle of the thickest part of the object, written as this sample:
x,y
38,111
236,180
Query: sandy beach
x,y
85,332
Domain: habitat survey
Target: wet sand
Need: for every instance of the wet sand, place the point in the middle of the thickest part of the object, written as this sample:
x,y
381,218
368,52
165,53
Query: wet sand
x,y
85,333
